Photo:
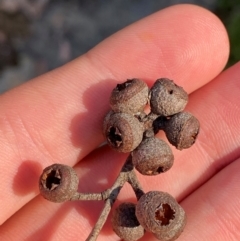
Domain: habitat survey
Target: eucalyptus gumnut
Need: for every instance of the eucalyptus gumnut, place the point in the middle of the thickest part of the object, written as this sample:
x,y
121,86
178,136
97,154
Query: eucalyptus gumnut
x,y
159,213
125,223
123,131
167,98
58,183
129,97
153,156
182,130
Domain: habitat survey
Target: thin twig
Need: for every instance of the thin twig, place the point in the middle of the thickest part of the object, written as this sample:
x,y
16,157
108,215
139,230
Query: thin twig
x,y
135,184
87,196
101,221
127,174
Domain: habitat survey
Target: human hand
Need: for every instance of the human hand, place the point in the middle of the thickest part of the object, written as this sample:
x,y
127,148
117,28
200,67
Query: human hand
x,y
57,118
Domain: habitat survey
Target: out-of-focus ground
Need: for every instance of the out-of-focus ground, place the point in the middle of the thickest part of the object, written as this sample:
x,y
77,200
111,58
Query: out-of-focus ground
x,y
39,35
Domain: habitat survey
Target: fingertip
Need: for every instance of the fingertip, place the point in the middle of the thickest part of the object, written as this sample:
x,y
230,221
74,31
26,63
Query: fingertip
x,y
184,42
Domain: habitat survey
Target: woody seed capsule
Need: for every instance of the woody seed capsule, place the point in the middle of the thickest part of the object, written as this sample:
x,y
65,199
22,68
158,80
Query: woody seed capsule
x,y
130,96
123,131
125,223
153,156
182,130
159,213
167,98
58,183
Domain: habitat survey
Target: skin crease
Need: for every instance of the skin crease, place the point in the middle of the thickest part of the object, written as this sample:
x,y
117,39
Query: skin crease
x,y
57,117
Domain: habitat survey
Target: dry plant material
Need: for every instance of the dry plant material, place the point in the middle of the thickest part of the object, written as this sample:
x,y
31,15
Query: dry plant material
x,y
129,97
167,98
123,131
153,156
58,183
159,213
125,223
127,128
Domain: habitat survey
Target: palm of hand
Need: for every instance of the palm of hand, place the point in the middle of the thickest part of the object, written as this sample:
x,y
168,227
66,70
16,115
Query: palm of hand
x,y
58,117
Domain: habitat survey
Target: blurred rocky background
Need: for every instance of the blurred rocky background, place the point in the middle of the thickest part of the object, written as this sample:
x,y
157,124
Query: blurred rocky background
x,y
39,35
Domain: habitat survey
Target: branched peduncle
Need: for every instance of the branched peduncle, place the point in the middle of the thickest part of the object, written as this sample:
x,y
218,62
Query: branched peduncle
x,y
129,129
127,174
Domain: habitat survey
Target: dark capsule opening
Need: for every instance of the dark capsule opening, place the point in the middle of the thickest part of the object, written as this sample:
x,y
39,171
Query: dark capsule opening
x,y
155,172
164,214
160,170
53,179
124,85
129,218
114,136
159,123
170,92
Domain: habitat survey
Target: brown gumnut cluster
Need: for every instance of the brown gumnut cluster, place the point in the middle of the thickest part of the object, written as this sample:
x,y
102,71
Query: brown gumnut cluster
x,y
128,128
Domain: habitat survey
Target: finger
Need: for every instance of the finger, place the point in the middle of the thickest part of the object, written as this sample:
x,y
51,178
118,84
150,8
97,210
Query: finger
x,y
216,106
213,210
70,220
218,144
57,117
216,201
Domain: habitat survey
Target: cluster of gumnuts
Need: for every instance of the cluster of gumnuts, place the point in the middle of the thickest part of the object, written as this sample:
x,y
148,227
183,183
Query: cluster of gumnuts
x,y
131,127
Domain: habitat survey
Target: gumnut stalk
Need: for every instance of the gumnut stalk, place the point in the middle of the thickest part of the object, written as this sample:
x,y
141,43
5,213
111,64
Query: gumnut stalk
x,y
129,97
153,156
58,183
167,98
123,131
159,213
125,223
